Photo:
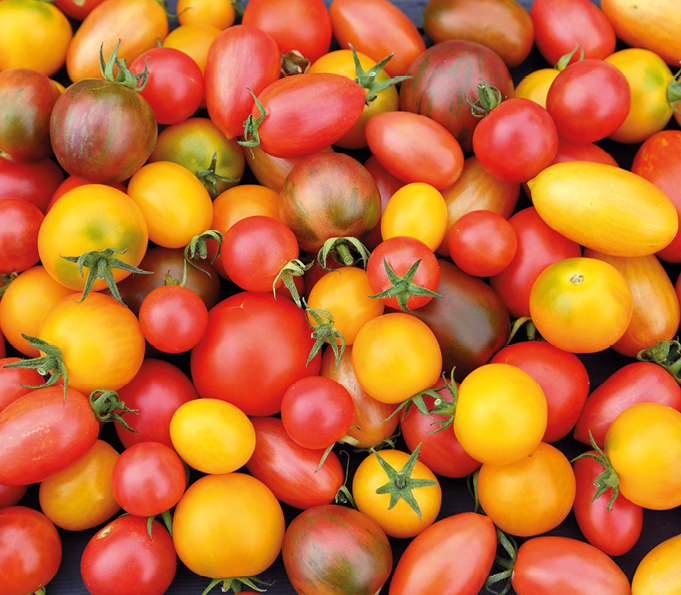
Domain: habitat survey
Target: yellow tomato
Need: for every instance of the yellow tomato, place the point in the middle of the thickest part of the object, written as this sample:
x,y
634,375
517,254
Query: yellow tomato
x,y
193,39
344,293
398,520
644,447
212,436
648,78
342,62
659,571
581,305
501,414
217,13
228,526
34,35
396,356
535,86
532,495
418,210
80,497
24,304
175,204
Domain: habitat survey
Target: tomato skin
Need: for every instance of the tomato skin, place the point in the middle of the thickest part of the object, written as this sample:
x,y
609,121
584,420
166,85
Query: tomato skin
x,y
387,185
150,562
446,73
562,376
377,28
288,469
101,131
67,431
21,222
465,344
544,565
560,25
656,572
235,362
219,14
614,531
458,551
251,57
415,148
30,550
11,495
35,182
636,382
75,8
508,30
135,23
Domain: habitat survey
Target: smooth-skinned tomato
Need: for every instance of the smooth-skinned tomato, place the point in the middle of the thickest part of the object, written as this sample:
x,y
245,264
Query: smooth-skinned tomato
x,y
656,571
218,13
35,182
194,39
20,222
11,380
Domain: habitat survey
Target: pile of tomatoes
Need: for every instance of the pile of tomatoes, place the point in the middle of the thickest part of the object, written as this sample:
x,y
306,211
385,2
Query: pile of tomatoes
x,y
368,306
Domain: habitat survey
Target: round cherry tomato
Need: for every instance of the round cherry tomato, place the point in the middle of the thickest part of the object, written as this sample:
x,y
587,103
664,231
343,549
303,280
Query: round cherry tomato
x,y
536,84
656,571
36,182
11,380
20,222
11,495
194,39
218,13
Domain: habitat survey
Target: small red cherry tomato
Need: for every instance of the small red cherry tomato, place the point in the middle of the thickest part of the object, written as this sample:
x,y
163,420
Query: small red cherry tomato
x,y
19,224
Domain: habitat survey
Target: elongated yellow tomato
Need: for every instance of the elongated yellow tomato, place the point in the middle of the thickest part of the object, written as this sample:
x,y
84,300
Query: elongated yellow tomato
x,y
648,78
101,341
581,305
604,207
91,217
659,571
228,526
644,447
501,414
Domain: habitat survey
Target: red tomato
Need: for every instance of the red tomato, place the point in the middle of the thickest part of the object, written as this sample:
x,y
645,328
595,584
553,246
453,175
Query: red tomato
x,y
387,185
35,182
516,140
638,382
19,224
30,550
11,495
482,243
255,347
561,25
296,25
149,561
289,470
11,380
613,531
415,148
588,100
70,183
562,376
174,87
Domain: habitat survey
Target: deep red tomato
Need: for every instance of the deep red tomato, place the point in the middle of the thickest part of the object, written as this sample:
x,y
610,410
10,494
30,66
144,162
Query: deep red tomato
x,y
320,403
415,148
148,479
560,25
562,376
150,562
399,254
545,565
588,100
637,382
301,25
35,182
174,87
156,392
290,470
538,247
516,140
255,249
11,380
11,495
43,433
306,113
173,318
30,550
458,551
253,61
19,224
482,243
255,347
613,531
335,549
387,185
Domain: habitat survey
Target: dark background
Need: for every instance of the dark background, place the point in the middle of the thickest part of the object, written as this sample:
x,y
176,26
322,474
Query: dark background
x,y
658,526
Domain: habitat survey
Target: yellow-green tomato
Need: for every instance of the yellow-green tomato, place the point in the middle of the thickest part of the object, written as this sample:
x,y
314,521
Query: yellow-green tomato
x,y
501,414
212,436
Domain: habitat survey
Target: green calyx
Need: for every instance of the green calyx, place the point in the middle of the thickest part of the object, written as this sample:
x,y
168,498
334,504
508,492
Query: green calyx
x,y
324,331
565,60
506,564
198,247
293,63
293,268
5,281
100,265
368,79
167,520
403,287
666,354
106,406
606,480
236,583
530,329
674,92
209,178
124,77
489,97
401,484
51,363
340,250
252,125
